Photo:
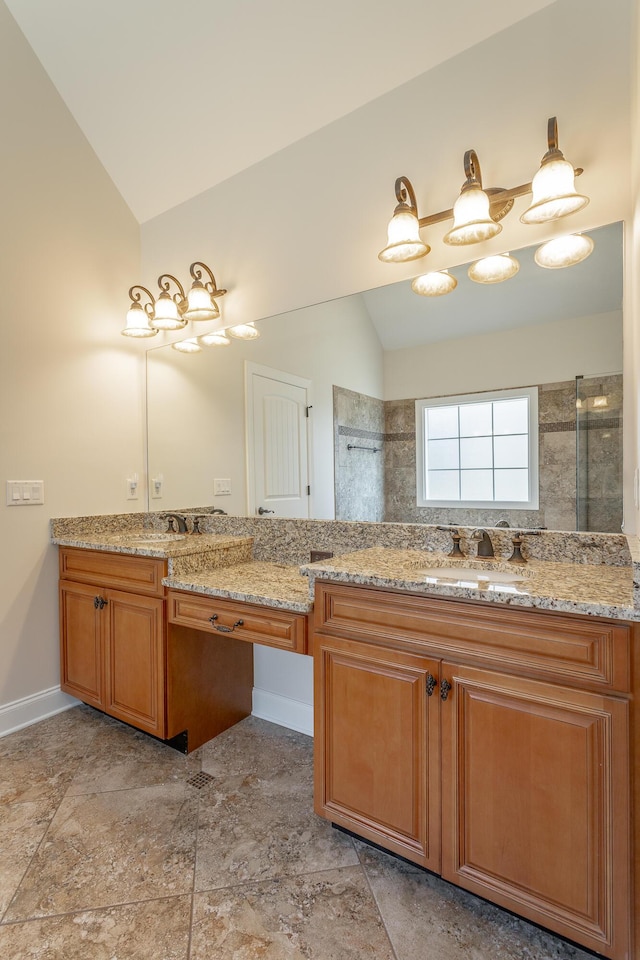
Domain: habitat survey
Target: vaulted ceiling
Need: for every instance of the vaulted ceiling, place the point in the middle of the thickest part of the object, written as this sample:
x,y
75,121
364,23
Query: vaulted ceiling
x,y
175,96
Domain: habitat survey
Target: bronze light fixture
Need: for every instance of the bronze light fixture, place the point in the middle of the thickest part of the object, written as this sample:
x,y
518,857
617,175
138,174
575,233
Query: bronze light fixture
x,y
478,211
172,311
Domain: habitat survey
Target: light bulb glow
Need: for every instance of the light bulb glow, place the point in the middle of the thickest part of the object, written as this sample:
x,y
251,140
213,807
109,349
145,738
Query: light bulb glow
x,y
243,331
137,324
403,239
187,346
434,284
165,314
471,219
200,304
554,193
564,251
215,339
494,269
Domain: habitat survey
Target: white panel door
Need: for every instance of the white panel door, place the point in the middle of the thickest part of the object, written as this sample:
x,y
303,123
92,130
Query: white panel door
x,y
277,443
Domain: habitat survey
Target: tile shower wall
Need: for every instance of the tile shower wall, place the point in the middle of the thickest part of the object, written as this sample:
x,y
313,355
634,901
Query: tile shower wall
x,y
557,454
359,428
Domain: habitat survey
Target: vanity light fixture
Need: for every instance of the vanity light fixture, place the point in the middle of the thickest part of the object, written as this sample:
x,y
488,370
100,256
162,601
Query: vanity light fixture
x,y
166,312
187,346
201,304
139,316
553,187
243,331
472,220
478,210
434,284
403,233
217,338
494,269
172,311
564,251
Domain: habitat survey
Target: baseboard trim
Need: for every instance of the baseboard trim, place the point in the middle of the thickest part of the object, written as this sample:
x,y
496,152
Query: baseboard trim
x,y
284,711
22,713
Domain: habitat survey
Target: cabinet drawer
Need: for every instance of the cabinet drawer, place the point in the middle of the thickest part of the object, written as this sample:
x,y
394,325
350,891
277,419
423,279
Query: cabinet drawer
x,y
274,628
588,652
138,574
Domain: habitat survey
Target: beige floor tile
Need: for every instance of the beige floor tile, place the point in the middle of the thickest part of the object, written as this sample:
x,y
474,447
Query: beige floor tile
x,y
39,762
429,919
156,930
257,747
253,829
121,758
111,848
22,827
329,916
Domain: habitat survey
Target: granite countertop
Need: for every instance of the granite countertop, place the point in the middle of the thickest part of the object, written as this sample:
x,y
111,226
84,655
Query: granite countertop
x,y
133,542
270,584
594,590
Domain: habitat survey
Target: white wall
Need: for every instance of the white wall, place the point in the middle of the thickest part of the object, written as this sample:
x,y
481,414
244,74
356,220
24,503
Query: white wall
x,y
544,353
305,225
71,388
196,402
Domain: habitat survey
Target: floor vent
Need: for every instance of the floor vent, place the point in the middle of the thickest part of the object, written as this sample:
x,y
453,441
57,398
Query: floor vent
x,y
200,780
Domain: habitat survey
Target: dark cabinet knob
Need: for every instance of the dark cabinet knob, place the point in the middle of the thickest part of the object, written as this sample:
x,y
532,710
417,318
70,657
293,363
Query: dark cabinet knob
x,y
445,687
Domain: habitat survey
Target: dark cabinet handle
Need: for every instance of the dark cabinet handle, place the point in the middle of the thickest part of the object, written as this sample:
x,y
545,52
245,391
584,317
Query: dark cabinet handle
x,y
431,684
99,603
221,627
445,686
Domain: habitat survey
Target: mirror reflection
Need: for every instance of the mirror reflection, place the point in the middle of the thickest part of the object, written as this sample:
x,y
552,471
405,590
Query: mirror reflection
x,y
363,361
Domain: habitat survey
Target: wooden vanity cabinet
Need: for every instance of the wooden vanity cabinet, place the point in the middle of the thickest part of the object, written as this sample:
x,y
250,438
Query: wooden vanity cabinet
x,y
113,641
488,744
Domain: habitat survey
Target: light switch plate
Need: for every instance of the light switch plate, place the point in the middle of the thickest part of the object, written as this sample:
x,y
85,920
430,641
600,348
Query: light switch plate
x,y
25,493
222,487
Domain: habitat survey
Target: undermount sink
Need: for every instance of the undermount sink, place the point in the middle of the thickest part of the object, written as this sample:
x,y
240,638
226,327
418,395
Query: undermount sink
x,y
154,537
471,573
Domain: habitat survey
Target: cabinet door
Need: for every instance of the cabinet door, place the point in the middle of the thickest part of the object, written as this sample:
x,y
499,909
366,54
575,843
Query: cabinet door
x,y
135,662
377,746
535,804
81,643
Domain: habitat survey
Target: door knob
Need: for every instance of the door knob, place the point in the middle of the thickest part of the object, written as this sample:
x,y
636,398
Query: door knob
x,y
263,510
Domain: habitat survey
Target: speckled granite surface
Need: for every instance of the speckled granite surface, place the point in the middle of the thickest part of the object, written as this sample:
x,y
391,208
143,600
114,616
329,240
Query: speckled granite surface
x,y
271,584
573,588
589,573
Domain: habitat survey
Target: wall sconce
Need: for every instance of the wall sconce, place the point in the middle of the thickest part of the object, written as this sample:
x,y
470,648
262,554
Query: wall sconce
x,y
564,251
477,211
173,311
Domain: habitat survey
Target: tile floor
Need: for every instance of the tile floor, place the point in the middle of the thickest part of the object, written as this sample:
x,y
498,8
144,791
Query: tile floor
x,y
108,852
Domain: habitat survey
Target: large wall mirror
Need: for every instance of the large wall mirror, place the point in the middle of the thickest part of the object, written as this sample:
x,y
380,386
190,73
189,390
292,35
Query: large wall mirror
x,y
369,357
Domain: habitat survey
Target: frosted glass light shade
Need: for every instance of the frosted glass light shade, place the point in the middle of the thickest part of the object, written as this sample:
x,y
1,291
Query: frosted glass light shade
x,y
494,269
564,251
187,346
403,238
434,284
138,323
471,219
215,339
200,304
165,314
554,193
243,331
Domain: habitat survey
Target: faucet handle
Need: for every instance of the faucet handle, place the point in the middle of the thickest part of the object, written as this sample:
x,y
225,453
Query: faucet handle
x,y
518,540
456,536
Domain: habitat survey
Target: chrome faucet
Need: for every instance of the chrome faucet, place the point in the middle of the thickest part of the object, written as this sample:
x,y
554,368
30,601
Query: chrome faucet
x,y
180,520
485,546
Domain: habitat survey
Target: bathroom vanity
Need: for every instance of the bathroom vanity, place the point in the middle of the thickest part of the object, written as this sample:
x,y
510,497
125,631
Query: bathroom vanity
x,y
486,731
487,744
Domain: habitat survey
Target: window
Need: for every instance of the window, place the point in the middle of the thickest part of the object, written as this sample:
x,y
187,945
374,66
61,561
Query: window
x,y
478,449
